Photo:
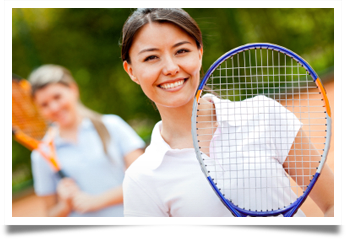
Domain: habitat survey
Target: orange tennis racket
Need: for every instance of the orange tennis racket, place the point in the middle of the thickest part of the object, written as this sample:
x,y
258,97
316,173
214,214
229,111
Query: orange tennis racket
x,y
29,127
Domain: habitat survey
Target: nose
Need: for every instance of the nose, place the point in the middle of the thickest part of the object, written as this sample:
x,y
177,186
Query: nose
x,y
53,107
171,67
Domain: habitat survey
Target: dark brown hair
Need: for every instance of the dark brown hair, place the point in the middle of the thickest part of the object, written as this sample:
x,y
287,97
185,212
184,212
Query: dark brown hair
x,y
143,16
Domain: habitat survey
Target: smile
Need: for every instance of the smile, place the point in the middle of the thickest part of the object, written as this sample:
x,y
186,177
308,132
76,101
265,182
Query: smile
x,y
172,85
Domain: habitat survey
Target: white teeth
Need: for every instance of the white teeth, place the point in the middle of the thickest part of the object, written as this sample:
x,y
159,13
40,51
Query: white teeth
x,y
172,85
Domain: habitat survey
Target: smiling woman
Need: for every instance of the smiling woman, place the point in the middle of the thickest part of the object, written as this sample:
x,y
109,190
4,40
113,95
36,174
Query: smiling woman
x,y
57,104
167,69
57,96
163,56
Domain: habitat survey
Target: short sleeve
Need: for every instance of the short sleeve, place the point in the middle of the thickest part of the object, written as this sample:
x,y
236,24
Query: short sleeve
x,y
284,127
45,181
125,137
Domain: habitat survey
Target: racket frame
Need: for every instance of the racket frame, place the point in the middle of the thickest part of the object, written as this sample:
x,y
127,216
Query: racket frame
x,y
34,144
237,211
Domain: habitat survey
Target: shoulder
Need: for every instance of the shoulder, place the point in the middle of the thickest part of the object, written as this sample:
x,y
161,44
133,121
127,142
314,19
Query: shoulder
x,y
38,159
142,173
112,119
140,167
115,123
137,178
34,154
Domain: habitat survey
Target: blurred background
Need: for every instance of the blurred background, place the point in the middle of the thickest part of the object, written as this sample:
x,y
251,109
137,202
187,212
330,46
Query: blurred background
x,y
87,42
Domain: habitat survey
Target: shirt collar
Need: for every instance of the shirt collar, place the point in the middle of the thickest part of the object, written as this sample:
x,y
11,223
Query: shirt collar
x,y
157,148
84,125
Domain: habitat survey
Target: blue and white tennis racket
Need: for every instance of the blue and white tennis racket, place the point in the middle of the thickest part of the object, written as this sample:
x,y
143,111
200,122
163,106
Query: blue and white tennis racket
x,y
263,141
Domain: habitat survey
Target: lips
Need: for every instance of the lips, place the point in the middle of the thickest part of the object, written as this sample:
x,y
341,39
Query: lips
x,y
172,84
61,115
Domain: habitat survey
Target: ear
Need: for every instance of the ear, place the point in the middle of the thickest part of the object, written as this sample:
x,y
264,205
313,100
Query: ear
x,y
73,86
128,68
200,53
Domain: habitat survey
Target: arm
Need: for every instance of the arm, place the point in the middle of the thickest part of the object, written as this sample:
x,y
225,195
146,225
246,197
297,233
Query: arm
x,y
60,204
53,208
83,202
323,192
132,156
130,144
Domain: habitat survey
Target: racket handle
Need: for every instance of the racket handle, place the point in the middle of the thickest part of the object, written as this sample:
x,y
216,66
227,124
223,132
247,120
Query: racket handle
x,y
61,174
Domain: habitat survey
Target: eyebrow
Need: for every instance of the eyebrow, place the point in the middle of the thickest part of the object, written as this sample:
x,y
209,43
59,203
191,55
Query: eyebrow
x,y
149,49
181,43
156,49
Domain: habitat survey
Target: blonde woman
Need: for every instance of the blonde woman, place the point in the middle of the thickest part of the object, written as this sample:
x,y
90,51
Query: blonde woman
x,y
94,150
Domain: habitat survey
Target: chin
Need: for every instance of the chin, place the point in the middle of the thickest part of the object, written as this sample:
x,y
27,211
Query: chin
x,y
64,123
178,103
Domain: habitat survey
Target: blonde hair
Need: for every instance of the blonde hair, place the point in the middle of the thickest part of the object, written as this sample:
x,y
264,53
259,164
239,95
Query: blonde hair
x,y
50,74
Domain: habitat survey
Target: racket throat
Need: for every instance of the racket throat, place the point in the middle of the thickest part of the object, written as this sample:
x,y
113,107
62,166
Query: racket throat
x,y
61,174
302,199
224,200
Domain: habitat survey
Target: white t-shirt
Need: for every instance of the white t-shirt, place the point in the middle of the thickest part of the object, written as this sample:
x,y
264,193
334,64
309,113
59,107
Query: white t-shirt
x,y
169,182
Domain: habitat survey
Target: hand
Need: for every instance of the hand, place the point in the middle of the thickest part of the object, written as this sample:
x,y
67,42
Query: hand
x,y
83,202
329,212
66,189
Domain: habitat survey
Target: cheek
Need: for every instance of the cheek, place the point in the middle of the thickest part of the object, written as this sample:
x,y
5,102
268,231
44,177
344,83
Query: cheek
x,y
193,70
46,113
68,101
192,65
147,76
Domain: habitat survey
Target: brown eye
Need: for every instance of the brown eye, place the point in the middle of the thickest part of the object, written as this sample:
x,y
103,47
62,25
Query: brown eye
x,y
181,51
150,58
44,105
57,97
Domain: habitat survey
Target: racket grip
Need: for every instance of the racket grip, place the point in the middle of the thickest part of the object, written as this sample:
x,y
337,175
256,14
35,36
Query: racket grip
x,y
61,174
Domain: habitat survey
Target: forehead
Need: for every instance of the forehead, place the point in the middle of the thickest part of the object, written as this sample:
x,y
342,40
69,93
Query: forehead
x,y
50,89
159,34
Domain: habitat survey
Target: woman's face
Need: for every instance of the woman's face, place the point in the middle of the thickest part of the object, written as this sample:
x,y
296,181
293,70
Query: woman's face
x,y
165,62
58,103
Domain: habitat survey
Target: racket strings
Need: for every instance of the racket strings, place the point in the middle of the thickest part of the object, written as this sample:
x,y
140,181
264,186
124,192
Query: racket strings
x,y
25,116
246,140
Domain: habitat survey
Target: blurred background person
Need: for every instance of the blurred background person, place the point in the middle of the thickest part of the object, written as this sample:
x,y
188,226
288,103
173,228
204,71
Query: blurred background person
x,y
93,150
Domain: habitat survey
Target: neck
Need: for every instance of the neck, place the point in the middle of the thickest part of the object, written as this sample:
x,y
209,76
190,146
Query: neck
x,y
69,132
176,125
